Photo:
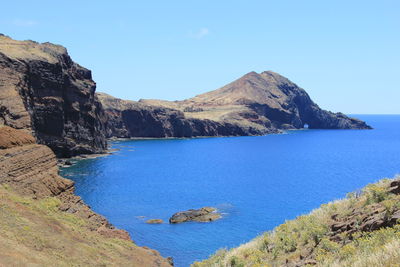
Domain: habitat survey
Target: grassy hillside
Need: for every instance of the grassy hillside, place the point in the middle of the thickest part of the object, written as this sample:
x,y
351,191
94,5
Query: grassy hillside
x,y
36,233
361,230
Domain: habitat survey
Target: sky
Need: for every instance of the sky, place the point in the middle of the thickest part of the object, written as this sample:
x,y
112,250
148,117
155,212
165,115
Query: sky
x,y
345,54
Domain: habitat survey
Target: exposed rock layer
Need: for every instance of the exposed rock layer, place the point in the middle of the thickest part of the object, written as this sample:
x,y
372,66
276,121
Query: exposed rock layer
x,y
43,90
127,119
31,170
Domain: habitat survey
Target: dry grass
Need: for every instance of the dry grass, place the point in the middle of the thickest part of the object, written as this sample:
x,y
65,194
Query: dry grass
x,y
30,50
36,233
216,113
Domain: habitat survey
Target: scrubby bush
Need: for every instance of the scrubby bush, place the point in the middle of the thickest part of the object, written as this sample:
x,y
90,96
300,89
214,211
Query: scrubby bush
x,y
375,193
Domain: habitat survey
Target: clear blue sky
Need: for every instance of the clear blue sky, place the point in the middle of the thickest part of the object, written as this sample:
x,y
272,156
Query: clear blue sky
x,y
346,54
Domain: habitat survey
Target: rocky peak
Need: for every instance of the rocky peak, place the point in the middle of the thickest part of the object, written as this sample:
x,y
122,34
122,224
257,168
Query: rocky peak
x,y
262,101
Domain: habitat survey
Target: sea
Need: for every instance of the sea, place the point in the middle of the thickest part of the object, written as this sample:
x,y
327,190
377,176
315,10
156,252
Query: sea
x,y
256,182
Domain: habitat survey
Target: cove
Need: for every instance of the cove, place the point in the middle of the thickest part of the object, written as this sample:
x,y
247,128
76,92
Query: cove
x,y
256,182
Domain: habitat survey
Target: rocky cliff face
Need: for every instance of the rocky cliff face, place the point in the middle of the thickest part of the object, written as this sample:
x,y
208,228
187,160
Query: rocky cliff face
x,y
133,119
31,171
43,90
263,101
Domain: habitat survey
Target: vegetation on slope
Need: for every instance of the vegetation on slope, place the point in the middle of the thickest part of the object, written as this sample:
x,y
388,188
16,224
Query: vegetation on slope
x,y
36,233
361,230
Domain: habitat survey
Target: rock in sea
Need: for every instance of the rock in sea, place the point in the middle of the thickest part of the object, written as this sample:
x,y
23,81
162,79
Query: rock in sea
x,y
206,214
154,221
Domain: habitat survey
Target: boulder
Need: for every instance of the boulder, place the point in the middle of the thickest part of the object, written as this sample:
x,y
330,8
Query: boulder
x,y
154,221
206,214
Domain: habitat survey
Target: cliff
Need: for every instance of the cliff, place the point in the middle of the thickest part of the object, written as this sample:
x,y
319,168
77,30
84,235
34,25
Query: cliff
x,y
43,90
43,223
361,230
255,104
134,119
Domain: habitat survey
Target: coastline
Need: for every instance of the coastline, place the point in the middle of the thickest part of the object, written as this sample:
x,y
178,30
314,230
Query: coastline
x,y
46,222
232,141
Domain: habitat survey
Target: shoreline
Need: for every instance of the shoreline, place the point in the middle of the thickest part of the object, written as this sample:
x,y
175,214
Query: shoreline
x,y
68,162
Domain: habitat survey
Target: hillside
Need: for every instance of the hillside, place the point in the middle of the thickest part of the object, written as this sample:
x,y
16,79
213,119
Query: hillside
x,y
42,222
37,233
361,230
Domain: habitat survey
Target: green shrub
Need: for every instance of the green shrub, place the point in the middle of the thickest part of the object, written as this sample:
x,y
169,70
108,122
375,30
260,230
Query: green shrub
x,y
49,204
236,262
375,194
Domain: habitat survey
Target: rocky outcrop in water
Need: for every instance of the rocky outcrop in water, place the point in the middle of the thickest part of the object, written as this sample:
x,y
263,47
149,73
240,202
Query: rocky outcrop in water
x,y
43,90
206,214
154,221
31,171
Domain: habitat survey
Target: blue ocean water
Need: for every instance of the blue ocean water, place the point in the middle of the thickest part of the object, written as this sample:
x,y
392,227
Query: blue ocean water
x,y
257,182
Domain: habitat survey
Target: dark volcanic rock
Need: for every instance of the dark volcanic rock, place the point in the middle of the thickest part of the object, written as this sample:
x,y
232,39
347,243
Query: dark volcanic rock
x,y
255,104
127,119
43,90
206,214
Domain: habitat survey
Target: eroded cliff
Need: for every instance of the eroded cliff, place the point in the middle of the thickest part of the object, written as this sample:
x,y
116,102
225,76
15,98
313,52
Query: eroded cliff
x,y
43,90
127,119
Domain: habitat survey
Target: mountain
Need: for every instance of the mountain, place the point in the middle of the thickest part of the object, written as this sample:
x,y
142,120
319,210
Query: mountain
x,y
255,104
43,90
263,100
